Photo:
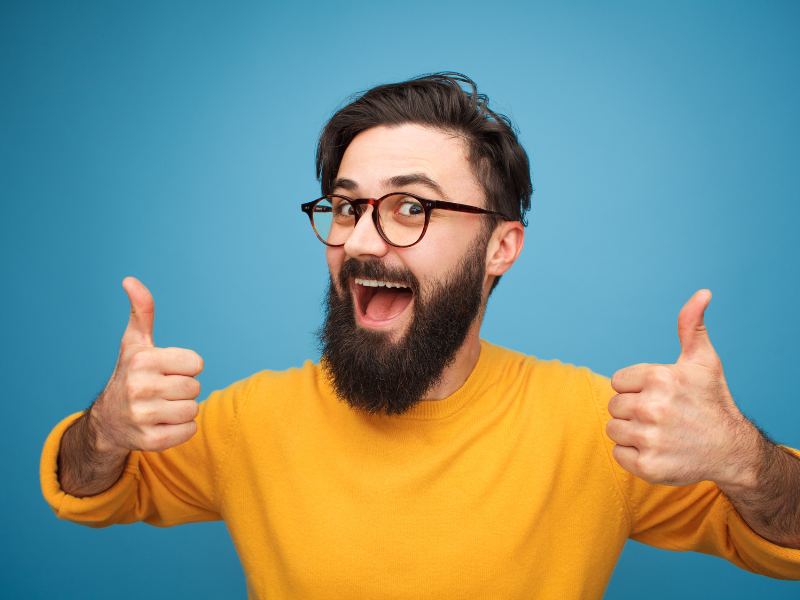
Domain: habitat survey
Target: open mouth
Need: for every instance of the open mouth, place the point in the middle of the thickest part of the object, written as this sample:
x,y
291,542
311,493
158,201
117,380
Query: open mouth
x,y
380,302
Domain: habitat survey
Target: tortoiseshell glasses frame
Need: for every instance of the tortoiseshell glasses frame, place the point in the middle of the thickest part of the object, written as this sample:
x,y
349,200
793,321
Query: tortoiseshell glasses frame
x,y
359,205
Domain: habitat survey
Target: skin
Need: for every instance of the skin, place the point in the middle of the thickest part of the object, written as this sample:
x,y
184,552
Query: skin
x,y
672,424
678,425
148,404
371,161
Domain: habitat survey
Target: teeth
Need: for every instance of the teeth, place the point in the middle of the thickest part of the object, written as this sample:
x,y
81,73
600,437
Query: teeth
x,y
375,283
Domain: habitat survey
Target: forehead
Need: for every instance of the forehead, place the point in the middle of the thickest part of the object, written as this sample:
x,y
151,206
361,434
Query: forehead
x,y
377,155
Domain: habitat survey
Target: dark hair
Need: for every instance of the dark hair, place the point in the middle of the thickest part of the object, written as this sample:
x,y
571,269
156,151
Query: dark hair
x,y
498,161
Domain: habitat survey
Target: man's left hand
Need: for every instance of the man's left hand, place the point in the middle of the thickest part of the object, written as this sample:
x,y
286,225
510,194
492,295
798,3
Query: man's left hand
x,y
678,424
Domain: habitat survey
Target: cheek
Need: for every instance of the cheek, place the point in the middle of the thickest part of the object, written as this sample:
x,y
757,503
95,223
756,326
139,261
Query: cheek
x,y
436,258
334,257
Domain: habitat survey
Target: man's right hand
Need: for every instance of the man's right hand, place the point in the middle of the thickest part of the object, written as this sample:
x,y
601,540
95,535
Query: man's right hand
x,y
149,404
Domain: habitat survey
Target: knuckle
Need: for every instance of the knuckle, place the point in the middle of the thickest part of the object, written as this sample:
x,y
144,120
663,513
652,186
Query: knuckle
x,y
136,389
191,429
192,387
140,413
612,430
662,375
176,386
649,438
140,361
615,452
618,377
647,470
652,412
184,387
188,359
199,364
154,440
146,442
185,412
628,372
619,455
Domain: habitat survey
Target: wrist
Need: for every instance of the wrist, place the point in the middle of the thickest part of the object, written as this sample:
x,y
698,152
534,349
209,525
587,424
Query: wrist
x,y
746,460
101,446
82,469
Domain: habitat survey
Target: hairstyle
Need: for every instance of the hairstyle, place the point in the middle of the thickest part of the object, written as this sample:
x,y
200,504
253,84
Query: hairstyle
x,y
439,101
498,161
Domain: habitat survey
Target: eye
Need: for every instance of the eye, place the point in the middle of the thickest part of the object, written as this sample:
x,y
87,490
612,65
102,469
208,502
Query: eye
x,y
342,208
409,207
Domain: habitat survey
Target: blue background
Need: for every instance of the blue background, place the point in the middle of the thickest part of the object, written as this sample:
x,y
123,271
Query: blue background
x,y
175,142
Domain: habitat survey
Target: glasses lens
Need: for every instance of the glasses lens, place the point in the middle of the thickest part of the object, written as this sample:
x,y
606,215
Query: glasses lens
x,y
402,219
333,220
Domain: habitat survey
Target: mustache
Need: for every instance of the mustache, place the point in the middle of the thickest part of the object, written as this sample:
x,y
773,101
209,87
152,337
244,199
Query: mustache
x,y
376,269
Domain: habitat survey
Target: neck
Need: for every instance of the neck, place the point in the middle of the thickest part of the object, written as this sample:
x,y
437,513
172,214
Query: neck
x,y
457,373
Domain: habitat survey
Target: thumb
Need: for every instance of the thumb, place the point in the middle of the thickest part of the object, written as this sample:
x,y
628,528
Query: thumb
x,y
695,344
140,325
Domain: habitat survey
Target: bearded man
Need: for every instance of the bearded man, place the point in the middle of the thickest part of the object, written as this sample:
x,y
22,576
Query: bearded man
x,y
416,460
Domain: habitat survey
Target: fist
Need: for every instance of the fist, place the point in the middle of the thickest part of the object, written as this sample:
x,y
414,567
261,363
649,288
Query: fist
x,y
678,424
149,403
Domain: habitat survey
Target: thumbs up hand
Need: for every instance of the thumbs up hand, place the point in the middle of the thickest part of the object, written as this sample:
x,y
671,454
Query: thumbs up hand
x,y
149,402
678,424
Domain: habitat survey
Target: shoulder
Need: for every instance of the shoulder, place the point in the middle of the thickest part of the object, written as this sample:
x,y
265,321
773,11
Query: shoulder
x,y
266,388
551,381
307,374
510,363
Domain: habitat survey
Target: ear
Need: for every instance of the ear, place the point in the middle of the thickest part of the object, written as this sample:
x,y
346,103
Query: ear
x,y
504,247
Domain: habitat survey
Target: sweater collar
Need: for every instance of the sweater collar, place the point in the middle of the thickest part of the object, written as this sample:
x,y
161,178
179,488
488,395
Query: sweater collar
x,y
430,410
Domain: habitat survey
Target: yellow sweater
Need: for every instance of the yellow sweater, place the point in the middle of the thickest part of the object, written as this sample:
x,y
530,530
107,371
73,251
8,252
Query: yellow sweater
x,y
506,489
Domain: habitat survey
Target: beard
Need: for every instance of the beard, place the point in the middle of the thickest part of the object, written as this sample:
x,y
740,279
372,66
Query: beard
x,y
371,372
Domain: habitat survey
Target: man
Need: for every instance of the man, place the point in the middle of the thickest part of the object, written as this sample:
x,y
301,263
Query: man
x,y
417,461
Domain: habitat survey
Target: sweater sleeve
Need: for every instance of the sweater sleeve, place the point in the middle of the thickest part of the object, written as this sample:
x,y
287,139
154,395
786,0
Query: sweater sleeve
x,y
179,485
696,517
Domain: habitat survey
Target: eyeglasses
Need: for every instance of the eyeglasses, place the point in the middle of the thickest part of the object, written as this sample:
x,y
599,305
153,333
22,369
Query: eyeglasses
x,y
401,219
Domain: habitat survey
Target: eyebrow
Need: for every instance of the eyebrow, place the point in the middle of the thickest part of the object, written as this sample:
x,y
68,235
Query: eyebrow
x,y
345,184
415,178
398,181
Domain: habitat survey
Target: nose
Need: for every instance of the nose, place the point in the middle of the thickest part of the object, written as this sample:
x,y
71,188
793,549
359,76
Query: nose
x,y
365,241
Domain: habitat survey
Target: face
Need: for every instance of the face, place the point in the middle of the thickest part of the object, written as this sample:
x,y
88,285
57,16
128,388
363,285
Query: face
x,y
384,345
422,161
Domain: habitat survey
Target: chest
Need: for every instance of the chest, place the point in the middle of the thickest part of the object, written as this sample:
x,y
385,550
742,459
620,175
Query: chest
x,y
491,514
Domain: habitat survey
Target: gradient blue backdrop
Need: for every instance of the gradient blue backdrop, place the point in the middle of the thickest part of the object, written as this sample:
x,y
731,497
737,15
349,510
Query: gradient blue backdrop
x,y
175,142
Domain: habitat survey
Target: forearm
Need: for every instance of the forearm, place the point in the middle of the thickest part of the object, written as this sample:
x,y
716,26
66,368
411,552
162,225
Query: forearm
x,y
770,505
83,469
